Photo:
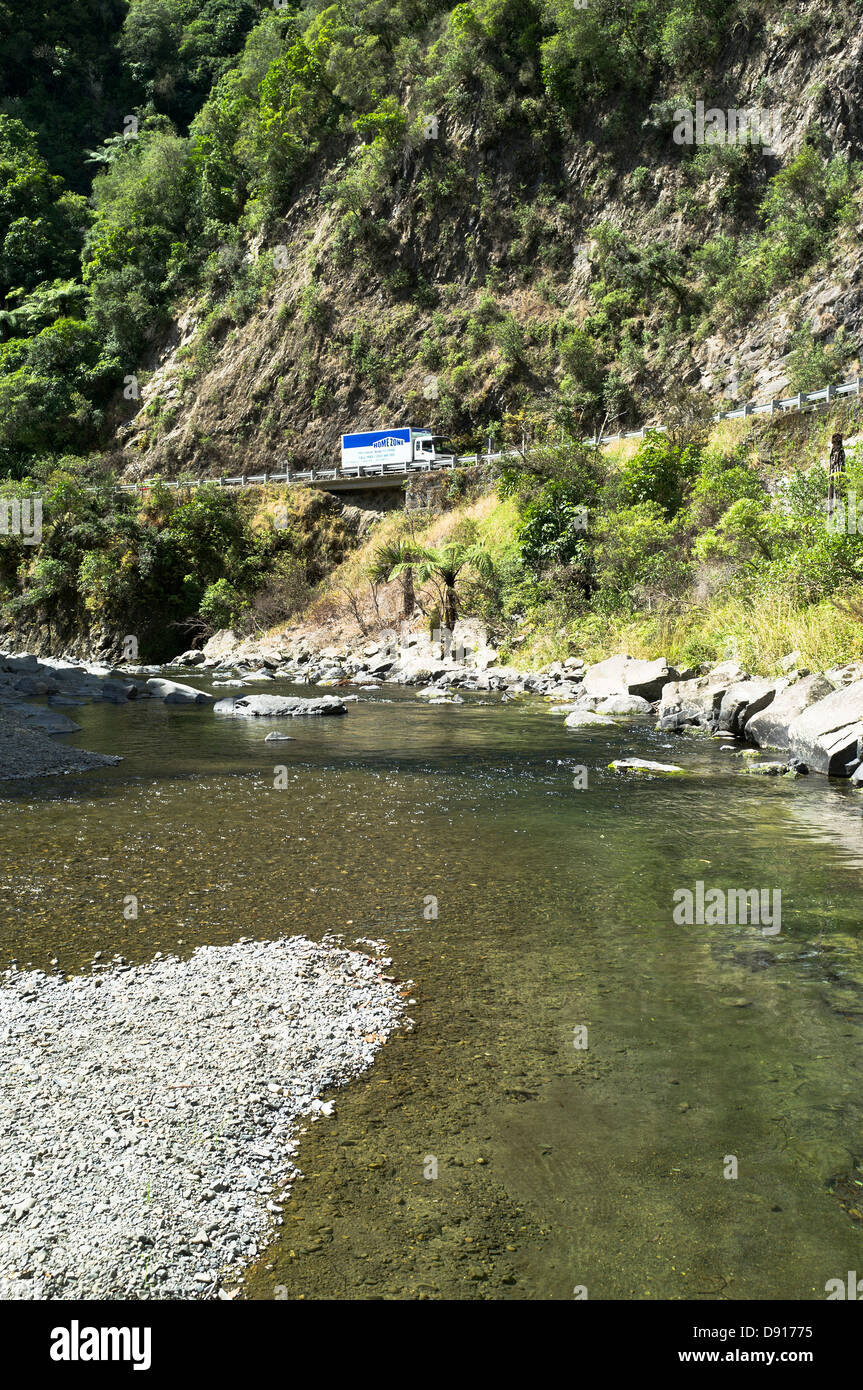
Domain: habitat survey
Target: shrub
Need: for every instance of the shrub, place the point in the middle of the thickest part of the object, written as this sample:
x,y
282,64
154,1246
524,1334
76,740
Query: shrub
x,y
658,473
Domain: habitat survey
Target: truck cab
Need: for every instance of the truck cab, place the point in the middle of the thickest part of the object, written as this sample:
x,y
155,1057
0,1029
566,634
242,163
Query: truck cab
x,y
424,446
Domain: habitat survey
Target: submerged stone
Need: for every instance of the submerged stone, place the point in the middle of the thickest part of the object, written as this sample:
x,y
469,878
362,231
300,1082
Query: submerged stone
x,y
645,768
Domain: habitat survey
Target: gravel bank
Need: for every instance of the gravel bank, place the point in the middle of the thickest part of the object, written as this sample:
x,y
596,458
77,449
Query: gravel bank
x,y
29,753
148,1113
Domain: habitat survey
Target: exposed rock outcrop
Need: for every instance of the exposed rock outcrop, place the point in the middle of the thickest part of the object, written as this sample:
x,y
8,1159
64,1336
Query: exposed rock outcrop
x,y
743,700
697,702
826,736
626,675
769,727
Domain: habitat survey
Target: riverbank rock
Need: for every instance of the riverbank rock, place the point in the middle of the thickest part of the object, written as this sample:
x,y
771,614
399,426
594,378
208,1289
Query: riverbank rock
x,y
278,706
626,675
220,644
826,735
624,705
769,727
174,694
698,701
743,700
47,721
193,657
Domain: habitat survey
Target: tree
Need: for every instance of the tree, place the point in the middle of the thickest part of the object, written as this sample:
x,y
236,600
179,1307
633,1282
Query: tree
x,y
658,472
445,563
397,556
41,222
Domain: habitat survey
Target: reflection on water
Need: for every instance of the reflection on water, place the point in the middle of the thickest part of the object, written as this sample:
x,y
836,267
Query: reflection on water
x,y
556,1166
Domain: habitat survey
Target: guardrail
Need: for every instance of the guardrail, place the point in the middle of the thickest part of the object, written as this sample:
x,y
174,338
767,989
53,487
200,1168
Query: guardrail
x,y
319,475
826,396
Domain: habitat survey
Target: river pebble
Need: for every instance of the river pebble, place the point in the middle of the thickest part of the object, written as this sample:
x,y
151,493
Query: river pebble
x,y
148,1113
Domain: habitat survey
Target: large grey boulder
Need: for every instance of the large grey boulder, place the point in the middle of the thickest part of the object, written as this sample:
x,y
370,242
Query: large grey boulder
x,y
413,670
379,665
623,705
687,703
825,736
48,721
769,727
118,692
37,685
174,694
24,661
743,700
278,706
626,675
192,657
221,643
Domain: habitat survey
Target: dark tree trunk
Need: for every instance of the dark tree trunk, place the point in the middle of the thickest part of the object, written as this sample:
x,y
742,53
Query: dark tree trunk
x,y
450,615
409,602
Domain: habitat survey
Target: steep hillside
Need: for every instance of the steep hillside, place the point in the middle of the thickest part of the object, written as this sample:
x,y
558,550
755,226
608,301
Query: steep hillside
x,y
516,219
317,218
559,260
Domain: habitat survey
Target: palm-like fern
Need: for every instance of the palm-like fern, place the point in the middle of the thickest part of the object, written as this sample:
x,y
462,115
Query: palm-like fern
x,y
394,558
445,564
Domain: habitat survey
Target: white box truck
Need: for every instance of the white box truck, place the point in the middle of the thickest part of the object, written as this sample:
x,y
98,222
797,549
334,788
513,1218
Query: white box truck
x,y
393,450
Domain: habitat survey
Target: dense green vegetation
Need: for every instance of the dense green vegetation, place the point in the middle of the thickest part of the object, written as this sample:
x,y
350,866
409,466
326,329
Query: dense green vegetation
x,y
166,568
156,152
686,544
193,129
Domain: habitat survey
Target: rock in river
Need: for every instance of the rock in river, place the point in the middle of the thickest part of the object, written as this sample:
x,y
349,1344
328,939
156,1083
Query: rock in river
x,y
582,719
643,767
174,694
279,706
626,675
743,700
697,702
623,705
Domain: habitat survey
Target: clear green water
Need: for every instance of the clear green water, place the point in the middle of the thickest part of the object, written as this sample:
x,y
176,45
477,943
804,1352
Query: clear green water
x,y
556,1167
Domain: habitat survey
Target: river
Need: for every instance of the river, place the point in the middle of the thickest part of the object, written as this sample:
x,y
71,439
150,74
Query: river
x,y
485,1154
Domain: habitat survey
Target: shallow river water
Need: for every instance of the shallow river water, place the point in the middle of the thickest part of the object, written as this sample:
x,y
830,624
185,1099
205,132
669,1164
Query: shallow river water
x,y
484,1155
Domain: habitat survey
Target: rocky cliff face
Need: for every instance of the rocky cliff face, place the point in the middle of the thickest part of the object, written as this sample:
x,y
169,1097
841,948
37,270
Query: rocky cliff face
x,y
345,338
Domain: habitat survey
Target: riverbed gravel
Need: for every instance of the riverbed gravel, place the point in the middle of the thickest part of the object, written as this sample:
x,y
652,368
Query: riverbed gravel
x,y
28,752
150,1115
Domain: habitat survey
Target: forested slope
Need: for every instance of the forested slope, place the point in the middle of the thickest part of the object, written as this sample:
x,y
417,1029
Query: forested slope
x,y
230,231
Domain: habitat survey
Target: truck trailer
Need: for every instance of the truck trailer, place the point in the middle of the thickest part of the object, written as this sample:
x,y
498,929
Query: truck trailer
x,y
404,446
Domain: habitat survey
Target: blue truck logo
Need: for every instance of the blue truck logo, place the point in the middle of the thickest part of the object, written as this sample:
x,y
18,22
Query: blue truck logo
x,y
386,447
